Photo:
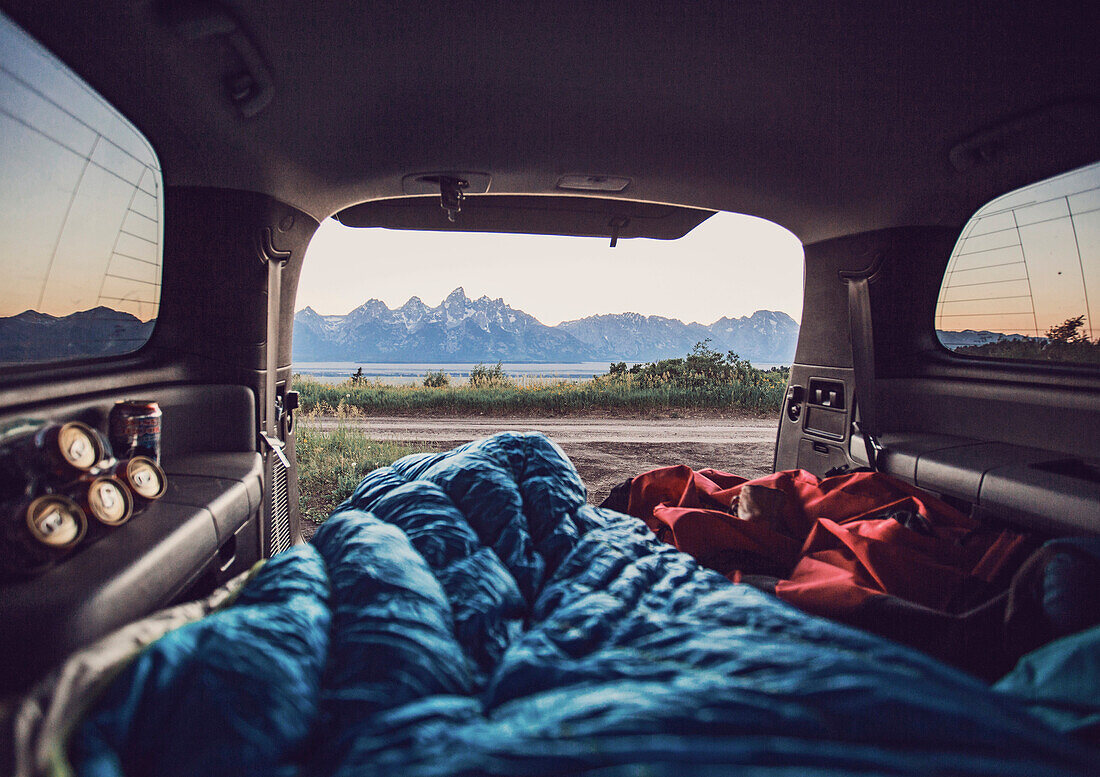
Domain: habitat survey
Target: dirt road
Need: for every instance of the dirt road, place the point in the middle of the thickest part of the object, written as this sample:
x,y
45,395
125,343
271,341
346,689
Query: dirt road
x,y
567,430
605,451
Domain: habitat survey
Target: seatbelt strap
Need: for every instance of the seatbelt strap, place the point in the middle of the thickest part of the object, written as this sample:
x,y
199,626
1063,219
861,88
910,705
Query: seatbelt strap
x,y
274,259
863,355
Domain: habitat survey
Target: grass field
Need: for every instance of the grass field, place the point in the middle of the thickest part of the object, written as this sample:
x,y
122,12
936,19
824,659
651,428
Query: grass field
x,y
331,464
558,398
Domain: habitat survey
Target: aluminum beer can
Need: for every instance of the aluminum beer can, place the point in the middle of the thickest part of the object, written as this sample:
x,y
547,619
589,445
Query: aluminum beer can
x,y
39,532
105,499
63,450
144,477
134,429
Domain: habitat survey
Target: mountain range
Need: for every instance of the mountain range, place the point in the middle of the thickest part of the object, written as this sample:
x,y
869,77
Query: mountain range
x,y
32,336
959,339
485,330
457,330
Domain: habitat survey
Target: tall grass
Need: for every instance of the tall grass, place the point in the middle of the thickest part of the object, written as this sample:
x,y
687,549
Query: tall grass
x,y
624,395
331,463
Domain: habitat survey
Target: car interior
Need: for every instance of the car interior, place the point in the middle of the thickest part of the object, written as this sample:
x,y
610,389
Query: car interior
x,y
873,132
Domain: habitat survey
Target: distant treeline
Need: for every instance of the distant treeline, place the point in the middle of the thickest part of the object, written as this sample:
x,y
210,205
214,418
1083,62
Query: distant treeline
x,y
1065,342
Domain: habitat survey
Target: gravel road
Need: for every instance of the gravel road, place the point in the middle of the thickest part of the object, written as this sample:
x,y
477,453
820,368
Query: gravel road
x,y
605,451
567,430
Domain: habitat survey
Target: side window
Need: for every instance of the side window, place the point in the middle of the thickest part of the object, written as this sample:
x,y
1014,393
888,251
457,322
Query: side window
x,y
80,215
1024,279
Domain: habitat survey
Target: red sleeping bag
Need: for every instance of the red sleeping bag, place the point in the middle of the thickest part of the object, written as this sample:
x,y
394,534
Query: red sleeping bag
x,y
833,542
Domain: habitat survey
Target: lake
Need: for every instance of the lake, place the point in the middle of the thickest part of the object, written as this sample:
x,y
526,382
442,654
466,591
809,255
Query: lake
x,y
398,374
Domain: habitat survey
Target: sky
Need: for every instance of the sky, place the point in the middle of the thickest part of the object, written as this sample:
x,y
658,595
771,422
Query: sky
x,y
730,265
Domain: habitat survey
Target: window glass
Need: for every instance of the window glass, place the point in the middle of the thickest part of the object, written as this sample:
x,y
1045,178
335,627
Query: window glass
x,y
1024,279
80,215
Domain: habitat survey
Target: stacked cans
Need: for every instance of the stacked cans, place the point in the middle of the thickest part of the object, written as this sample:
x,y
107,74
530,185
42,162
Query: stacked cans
x,y
62,485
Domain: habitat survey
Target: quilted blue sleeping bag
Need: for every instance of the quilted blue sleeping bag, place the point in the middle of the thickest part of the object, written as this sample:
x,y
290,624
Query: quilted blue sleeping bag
x,y
467,613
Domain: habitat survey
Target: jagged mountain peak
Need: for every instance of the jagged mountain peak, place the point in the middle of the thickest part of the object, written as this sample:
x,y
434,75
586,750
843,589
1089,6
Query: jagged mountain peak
x,y
414,310
759,316
628,316
762,337
371,304
372,309
773,315
486,301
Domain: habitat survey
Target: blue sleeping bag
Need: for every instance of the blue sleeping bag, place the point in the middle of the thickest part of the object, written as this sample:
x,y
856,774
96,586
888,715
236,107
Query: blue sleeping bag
x,y
467,613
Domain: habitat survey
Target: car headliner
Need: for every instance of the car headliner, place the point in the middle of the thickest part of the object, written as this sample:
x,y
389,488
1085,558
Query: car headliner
x,y
828,118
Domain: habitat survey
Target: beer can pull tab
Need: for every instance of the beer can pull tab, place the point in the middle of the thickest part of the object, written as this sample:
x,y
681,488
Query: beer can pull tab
x,y
78,448
51,522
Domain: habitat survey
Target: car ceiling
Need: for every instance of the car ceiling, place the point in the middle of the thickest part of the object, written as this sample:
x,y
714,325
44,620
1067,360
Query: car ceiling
x,y
828,118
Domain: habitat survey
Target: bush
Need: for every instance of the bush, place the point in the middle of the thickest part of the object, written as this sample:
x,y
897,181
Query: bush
x,y
1066,332
483,377
703,369
436,379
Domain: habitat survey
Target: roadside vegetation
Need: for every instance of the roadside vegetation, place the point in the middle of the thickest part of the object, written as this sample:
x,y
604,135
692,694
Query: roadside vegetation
x,y
704,379
331,463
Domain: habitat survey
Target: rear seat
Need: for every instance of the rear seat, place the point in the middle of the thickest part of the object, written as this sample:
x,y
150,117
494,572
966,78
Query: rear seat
x,y
1039,489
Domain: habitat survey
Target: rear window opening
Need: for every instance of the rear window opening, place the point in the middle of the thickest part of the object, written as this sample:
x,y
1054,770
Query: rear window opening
x,y
430,337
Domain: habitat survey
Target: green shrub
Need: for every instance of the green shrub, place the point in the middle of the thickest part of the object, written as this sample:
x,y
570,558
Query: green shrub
x,y
482,377
436,379
704,369
1067,331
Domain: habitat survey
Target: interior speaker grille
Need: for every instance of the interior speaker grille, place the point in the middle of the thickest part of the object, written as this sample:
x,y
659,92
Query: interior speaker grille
x,y
280,509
